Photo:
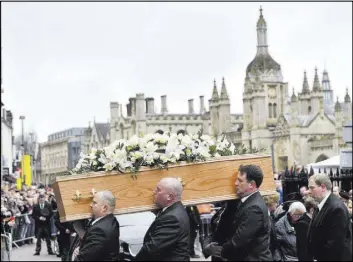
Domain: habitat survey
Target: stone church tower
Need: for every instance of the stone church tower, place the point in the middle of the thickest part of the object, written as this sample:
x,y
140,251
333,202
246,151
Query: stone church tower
x,y
265,94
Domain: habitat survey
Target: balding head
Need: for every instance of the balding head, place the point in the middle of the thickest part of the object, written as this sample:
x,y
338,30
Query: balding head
x,y
167,192
103,204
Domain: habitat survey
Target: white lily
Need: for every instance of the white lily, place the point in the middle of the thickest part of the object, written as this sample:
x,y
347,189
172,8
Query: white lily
x,y
186,141
150,148
133,141
149,159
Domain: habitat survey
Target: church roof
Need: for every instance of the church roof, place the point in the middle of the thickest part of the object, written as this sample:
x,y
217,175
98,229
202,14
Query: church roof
x,y
262,63
306,120
102,130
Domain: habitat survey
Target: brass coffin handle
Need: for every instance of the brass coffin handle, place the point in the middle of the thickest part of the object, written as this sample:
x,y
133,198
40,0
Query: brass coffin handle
x,y
78,196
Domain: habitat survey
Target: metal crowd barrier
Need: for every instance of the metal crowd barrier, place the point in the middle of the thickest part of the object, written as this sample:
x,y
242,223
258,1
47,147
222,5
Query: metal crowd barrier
x,y
6,247
24,229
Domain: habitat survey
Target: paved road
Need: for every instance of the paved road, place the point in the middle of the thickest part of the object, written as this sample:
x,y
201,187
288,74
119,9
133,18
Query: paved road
x,y
25,253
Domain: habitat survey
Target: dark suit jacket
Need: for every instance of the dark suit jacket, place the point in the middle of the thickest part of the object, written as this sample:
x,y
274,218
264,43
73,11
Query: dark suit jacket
x,y
330,235
101,241
167,239
194,216
46,212
250,228
220,222
301,231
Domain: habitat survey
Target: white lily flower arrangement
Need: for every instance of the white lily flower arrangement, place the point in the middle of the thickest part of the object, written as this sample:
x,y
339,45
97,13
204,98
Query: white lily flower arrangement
x,y
155,150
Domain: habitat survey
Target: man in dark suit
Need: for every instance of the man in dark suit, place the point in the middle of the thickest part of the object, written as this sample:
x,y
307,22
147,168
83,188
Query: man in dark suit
x,y
301,229
63,235
168,237
101,240
195,222
251,224
329,235
42,213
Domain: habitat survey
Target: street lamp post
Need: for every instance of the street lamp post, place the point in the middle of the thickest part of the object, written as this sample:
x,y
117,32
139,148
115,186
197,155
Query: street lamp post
x,y
22,118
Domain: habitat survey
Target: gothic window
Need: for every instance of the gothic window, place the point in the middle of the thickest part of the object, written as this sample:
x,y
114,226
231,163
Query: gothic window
x,y
270,110
275,110
309,109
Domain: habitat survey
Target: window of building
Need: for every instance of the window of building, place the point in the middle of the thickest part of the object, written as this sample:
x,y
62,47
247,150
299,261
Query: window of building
x,y
275,110
270,110
309,109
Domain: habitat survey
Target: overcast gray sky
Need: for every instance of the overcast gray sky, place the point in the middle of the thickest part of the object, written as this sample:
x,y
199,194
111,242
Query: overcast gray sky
x,y
64,62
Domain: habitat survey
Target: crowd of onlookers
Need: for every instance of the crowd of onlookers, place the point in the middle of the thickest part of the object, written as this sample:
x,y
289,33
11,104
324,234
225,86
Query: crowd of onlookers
x,y
17,207
291,219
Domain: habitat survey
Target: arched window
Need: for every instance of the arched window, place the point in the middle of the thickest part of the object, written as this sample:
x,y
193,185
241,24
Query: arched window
x,y
309,109
160,132
270,110
275,110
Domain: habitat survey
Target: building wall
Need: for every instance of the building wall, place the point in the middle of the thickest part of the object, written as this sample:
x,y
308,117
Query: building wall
x,y
6,145
54,156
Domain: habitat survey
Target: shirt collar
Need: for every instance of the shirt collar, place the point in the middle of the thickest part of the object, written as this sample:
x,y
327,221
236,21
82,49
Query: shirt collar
x,y
243,199
96,220
322,203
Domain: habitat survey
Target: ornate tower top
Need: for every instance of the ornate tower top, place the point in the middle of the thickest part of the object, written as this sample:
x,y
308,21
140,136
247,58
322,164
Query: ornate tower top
x,y
224,93
337,106
263,61
325,81
294,97
306,89
215,92
316,84
347,98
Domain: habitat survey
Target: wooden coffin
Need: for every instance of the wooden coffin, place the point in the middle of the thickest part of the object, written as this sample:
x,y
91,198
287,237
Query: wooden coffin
x,y
204,182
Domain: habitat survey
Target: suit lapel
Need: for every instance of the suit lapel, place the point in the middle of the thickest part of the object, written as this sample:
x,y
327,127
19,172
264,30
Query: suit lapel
x,y
159,216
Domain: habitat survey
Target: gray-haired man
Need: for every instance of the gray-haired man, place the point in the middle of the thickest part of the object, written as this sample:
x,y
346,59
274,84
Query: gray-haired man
x,y
101,240
168,237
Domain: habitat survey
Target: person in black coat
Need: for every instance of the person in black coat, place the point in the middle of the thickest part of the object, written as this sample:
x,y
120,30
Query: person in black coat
x,y
251,224
101,240
168,237
195,222
329,235
63,235
220,232
301,229
42,213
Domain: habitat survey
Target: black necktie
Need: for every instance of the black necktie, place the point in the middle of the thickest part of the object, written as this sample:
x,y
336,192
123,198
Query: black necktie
x,y
316,211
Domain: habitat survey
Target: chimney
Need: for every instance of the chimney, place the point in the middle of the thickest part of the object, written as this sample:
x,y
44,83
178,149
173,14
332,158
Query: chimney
x,y
164,109
202,105
128,109
150,105
191,106
9,117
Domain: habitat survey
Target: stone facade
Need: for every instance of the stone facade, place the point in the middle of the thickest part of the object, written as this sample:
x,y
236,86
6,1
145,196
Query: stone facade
x,y
60,153
7,142
301,128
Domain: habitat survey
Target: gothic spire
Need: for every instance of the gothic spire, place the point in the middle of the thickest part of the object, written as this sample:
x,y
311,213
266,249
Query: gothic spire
x,y
306,88
337,106
316,85
325,81
215,92
347,98
224,93
294,97
261,34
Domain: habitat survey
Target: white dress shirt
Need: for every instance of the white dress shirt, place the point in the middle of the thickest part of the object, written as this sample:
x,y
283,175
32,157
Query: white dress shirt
x,y
322,203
